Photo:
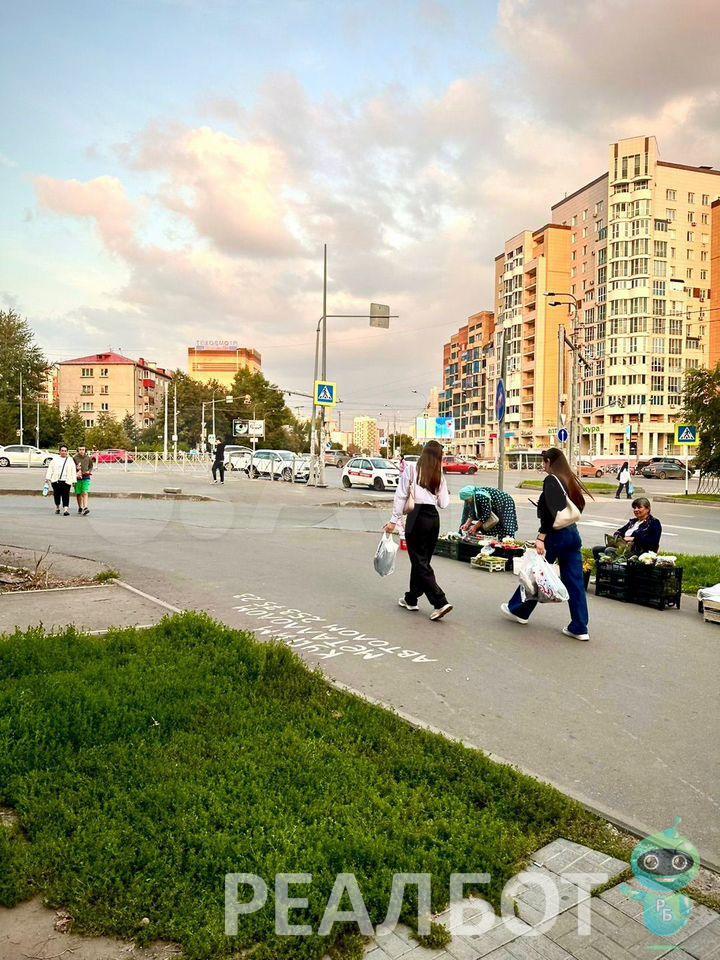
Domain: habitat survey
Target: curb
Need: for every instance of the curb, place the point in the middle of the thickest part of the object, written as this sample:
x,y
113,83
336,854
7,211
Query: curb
x,y
104,495
680,498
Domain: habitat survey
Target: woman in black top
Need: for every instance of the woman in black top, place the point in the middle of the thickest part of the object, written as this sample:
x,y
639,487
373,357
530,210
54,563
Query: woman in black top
x,y
558,540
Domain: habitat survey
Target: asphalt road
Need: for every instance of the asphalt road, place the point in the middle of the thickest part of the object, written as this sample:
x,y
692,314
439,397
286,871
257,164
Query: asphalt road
x,y
625,722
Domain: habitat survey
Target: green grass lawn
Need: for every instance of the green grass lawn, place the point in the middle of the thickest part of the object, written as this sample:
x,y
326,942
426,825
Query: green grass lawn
x,y
700,497
698,571
594,486
147,764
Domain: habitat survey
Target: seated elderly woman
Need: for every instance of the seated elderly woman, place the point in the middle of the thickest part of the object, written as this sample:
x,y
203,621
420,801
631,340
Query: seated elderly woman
x,y
480,503
640,534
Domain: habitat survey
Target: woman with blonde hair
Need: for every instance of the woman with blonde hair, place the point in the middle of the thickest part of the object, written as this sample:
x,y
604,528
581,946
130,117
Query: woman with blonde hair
x,y
560,506
421,492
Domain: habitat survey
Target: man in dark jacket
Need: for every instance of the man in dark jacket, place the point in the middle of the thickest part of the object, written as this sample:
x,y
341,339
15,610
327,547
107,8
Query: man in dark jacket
x,y
219,461
642,533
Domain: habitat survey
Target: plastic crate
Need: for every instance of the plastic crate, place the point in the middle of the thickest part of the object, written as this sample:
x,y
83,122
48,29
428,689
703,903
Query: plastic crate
x,y
508,556
611,580
447,548
468,550
653,586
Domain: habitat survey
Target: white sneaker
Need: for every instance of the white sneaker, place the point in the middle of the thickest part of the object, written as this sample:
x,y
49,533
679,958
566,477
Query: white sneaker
x,y
575,636
441,612
407,606
508,613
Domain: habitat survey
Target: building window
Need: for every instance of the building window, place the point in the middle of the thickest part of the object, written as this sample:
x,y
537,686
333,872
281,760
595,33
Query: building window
x,y
704,218
87,408
689,273
691,217
104,389
87,390
670,195
703,274
86,372
670,214
706,200
105,407
104,372
89,423
691,198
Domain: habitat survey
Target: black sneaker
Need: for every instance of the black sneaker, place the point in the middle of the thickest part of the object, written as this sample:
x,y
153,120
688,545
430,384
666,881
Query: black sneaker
x,y
86,511
57,510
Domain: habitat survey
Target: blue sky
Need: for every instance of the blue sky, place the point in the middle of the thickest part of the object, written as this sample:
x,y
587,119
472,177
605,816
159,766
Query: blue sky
x,y
169,170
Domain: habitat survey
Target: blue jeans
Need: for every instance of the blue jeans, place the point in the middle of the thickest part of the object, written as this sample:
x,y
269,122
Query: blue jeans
x,y
563,546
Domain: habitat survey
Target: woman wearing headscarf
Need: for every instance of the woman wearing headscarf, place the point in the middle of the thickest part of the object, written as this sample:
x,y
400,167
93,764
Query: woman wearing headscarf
x,y
480,503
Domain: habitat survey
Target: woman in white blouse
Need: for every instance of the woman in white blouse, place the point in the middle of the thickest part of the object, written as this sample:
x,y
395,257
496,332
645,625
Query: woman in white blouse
x,y
421,492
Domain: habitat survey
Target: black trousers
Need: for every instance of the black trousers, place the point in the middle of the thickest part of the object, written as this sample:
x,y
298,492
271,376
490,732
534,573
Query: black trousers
x,y
422,529
61,493
219,465
627,490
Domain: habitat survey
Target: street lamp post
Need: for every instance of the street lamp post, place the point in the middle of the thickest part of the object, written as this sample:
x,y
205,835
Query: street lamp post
x,y
574,435
379,316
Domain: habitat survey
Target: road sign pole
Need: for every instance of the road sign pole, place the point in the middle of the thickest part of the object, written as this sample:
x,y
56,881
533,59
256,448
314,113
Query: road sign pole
x,y
687,471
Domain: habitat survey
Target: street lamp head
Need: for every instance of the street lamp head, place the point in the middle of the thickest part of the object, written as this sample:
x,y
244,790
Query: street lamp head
x,y
556,303
550,293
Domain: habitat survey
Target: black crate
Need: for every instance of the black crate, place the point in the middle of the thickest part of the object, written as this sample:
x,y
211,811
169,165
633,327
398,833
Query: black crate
x,y
653,586
468,550
611,580
509,556
448,548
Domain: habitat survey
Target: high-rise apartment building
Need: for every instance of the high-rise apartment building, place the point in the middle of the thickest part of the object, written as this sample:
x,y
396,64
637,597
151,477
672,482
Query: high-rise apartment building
x,y
366,435
220,360
113,384
640,267
634,259
464,390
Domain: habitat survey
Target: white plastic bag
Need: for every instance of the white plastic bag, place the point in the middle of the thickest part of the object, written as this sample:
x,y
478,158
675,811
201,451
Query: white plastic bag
x,y
384,561
541,581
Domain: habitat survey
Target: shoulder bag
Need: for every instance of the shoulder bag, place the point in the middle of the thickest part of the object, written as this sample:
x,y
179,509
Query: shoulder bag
x,y
570,513
410,502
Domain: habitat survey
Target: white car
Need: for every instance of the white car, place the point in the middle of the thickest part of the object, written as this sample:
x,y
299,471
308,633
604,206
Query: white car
x,y
375,472
276,464
298,469
487,464
23,455
237,458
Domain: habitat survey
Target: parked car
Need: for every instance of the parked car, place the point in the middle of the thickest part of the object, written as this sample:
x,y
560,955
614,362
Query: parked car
x,y
375,472
270,463
648,461
336,458
590,469
488,464
452,464
23,455
238,458
114,456
298,469
664,469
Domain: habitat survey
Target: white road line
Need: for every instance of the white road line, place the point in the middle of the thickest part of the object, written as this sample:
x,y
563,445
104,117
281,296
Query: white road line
x,y
149,596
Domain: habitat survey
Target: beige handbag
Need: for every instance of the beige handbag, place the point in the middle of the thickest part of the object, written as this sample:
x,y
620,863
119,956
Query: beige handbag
x,y
410,502
569,515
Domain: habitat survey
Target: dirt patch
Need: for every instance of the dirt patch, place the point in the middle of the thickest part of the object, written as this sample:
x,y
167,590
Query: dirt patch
x,y
31,931
22,570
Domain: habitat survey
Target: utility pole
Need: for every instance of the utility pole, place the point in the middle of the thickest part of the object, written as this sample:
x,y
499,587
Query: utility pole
x,y
213,417
202,429
37,424
175,433
21,409
322,482
501,423
165,424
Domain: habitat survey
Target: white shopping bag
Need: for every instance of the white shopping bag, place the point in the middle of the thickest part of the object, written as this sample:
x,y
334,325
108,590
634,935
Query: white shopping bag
x,y
541,581
384,561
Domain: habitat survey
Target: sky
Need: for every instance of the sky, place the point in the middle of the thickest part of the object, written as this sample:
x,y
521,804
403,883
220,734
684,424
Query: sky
x,y
170,169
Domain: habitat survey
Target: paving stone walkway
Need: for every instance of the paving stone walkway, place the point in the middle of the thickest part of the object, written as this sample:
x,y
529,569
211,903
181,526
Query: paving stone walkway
x,y
616,929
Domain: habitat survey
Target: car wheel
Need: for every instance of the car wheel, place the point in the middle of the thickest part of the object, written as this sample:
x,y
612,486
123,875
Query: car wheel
x,y
598,473
346,482
4,462
472,470
287,475
662,475
47,461
253,473
378,484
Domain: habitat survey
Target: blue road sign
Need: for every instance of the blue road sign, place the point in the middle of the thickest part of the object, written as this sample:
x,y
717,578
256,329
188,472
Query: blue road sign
x,y
500,401
325,393
563,435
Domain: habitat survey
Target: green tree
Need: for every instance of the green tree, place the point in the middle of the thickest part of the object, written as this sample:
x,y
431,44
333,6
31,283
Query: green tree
x,y
19,355
405,443
702,406
255,397
130,428
73,427
51,427
190,397
107,432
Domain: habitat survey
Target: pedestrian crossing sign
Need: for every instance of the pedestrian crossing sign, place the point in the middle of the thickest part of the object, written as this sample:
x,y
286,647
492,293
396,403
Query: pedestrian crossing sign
x,y
687,434
325,393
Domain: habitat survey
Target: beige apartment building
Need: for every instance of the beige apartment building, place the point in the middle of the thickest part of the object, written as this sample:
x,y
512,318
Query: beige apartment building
x,y
464,389
113,384
220,360
640,267
366,435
